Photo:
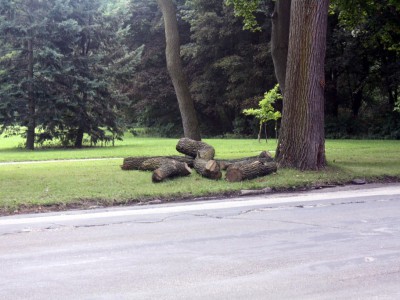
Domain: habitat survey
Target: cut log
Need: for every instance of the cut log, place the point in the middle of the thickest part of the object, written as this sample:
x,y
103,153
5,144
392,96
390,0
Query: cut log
x,y
193,148
170,168
207,168
154,162
255,169
248,162
264,157
133,163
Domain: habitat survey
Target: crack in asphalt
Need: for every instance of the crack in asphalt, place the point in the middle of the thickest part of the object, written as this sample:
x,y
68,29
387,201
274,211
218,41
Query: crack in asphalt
x,y
235,216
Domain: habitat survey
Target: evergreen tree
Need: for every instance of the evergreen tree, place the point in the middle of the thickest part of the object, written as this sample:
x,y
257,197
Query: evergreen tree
x,y
55,70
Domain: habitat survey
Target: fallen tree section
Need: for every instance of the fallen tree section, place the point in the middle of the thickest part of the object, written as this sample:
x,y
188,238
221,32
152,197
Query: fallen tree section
x,y
170,168
195,149
264,157
240,172
208,168
150,163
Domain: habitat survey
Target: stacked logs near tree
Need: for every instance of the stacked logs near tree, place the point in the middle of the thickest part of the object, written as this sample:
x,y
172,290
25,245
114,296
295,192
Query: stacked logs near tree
x,y
203,154
200,156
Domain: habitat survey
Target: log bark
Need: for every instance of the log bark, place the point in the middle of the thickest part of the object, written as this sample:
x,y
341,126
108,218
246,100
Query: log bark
x,y
150,163
195,149
170,168
264,157
208,168
250,171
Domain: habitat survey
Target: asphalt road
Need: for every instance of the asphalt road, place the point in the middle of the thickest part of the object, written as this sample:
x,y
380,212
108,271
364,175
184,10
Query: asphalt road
x,y
330,244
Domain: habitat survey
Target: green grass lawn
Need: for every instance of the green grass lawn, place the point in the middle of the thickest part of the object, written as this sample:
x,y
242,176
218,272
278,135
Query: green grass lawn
x,y
130,146
103,182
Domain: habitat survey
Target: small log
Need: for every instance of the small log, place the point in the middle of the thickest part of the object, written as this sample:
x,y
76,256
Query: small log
x,y
236,173
247,162
193,148
170,168
150,163
133,163
264,157
207,168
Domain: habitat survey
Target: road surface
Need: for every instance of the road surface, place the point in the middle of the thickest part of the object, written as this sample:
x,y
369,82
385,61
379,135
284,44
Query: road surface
x,y
341,243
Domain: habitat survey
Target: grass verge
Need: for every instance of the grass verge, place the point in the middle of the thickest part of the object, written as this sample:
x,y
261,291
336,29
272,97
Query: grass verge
x,y
64,184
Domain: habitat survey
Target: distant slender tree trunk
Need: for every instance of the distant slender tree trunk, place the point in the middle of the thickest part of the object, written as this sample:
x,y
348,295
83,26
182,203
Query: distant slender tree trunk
x,y
302,141
30,133
331,94
79,137
280,39
357,102
186,106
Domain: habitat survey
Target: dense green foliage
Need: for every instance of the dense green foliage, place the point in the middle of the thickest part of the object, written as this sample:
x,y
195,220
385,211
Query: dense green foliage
x,y
69,87
266,111
99,67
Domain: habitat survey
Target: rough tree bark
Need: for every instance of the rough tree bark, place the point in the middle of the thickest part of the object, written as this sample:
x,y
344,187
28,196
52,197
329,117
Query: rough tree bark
x,y
150,163
302,142
263,157
171,168
174,65
204,162
195,148
31,126
252,170
280,40
208,168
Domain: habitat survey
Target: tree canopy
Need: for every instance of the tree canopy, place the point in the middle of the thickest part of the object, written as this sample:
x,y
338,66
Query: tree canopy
x,y
83,70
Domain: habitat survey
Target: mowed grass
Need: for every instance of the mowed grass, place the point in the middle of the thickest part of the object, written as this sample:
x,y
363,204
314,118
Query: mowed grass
x,y
130,146
104,183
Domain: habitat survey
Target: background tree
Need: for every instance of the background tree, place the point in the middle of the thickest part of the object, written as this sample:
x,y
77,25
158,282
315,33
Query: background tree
x,y
266,112
98,65
55,70
190,123
24,39
301,141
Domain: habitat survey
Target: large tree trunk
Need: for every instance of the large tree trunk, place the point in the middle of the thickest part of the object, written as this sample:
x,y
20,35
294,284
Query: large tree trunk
x,y
302,141
186,106
30,133
280,40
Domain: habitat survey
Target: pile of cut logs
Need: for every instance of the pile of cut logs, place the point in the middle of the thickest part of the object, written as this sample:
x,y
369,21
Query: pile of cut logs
x,y
200,156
